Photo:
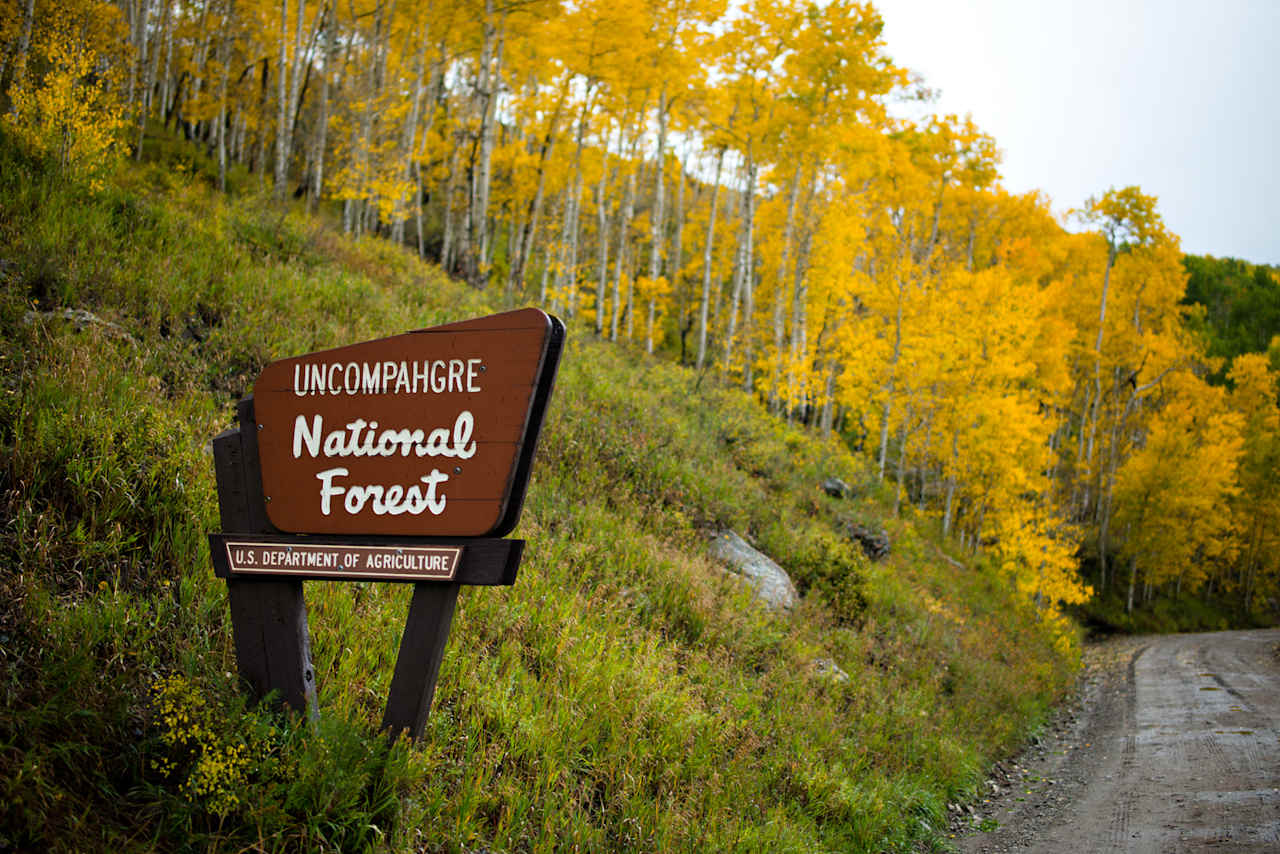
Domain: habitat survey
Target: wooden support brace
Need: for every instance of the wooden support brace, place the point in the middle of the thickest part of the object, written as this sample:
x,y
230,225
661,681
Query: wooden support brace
x,y
269,622
413,685
268,616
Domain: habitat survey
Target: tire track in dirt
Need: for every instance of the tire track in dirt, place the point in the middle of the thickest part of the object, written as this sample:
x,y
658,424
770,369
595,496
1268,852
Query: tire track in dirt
x,y
1171,745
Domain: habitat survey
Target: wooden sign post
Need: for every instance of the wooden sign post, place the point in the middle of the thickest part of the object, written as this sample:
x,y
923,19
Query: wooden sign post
x,y
403,459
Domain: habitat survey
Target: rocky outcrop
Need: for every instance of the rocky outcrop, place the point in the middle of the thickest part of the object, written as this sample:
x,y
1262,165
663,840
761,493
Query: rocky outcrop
x,y
770,582
836,488
875,544
81,319
826,668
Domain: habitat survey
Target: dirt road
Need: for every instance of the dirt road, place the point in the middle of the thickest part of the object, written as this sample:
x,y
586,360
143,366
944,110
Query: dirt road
x,y
1172,746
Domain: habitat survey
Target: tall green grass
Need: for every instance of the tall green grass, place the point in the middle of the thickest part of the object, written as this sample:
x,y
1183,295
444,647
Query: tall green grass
x,y
625,694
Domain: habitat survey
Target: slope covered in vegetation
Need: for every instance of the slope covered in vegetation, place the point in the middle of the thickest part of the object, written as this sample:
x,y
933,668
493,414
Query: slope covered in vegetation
x,y
625,694
726,184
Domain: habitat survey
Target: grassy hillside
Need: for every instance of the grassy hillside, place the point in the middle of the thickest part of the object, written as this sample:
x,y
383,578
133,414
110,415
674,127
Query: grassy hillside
x,y
625,694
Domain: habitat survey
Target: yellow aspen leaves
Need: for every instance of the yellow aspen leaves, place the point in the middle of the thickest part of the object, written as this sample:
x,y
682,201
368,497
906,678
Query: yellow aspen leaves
x,y
65,98
727,187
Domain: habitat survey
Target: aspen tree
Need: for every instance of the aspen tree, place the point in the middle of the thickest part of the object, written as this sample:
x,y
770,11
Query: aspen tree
x,y
1173,495
602,238
224,57
1255,396
63,103
533,212
708,246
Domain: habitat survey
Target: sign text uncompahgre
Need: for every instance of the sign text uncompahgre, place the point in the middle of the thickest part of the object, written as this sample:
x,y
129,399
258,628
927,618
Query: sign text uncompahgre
x,y
425,376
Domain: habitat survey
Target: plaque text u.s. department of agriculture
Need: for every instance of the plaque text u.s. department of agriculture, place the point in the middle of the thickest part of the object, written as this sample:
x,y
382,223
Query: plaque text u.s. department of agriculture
x,y
371,563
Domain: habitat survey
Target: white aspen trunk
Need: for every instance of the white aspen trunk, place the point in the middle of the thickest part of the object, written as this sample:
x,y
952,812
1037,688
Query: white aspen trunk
x,y
800,312
951,486
1081,490
301,59
199,64
140,54
1104,497
224,54
975,540
779,296
447,248
570,287
384,28
24,44
1251,566
676,262
718,297
902,462
167,28
409,139
890,385
282,103
575,246
624,256
631,305
486,99
546,272
136,13
364,130
437,82
829,398
602,238
329,19
624,227
658,216
513,232
1097,397
147,59
568,266
1097,349
262,137
653,316
707,251
735,290
926,253
515,275
517,271
1133,578
748,280
236,149
296,73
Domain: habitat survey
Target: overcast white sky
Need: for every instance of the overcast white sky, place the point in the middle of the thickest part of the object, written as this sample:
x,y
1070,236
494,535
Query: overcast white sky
x,y
1181,98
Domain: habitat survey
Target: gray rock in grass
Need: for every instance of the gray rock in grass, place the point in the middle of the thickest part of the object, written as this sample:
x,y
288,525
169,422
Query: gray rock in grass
x,y
770,582
827,668
836,488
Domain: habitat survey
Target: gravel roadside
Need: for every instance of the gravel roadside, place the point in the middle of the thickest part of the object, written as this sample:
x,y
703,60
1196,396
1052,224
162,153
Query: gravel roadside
x,y
1026,794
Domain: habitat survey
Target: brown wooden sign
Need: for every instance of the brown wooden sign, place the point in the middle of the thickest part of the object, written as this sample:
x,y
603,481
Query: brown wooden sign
x,y
403,459
429,433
